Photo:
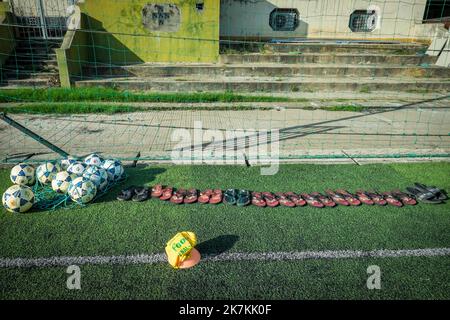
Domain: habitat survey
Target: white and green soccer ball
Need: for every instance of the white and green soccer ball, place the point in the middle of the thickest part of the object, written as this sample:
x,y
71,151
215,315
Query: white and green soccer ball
x,y
97,175
67,161
77,168
23,174
82,190
94,160
62,180
18,198
113,168
47,171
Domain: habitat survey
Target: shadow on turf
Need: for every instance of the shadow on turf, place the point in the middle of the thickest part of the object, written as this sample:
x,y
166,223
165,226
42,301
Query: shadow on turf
x,y
138,176
218,244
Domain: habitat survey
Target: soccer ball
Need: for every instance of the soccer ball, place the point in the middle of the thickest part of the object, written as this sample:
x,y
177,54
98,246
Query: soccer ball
x,y
113,168
18,198
47,171
22,174
82,190
62,180
97,175
66,162
94,160
77,168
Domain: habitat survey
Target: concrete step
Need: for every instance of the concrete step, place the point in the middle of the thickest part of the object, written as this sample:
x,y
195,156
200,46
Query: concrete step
x,y
34,51
28,65
34,56
325,46
31,75
21,42
270,84
35,83
277,70
348,47
321,58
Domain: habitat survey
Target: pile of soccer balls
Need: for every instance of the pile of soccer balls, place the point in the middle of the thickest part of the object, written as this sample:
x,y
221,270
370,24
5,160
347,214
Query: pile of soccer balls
x,y
80,180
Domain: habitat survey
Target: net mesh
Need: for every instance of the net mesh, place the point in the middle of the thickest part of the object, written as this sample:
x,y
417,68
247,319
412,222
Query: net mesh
x,y
356,81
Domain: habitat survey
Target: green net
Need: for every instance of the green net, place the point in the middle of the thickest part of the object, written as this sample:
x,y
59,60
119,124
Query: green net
x,y
235,80
47,199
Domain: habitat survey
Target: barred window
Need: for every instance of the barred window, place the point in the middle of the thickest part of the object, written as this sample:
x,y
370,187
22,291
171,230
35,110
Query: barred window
x,y
363,21
284,19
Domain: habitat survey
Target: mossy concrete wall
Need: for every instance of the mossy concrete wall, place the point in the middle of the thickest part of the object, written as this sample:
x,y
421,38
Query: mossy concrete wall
x,y
120,36
7,39
74,55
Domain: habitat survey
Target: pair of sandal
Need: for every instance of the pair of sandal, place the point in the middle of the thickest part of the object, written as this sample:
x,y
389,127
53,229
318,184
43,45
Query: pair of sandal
x,y
134,193
178,197
240,198
264,199
210,196
343,197
184,196
427,194
318,200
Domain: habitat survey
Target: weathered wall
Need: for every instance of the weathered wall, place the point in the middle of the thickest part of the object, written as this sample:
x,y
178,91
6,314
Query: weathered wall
x,y
122,38
7,39
249,19
74,54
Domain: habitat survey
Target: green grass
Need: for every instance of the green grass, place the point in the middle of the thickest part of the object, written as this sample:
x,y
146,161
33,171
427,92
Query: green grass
x,y
85,108
110,227
105,94
365,89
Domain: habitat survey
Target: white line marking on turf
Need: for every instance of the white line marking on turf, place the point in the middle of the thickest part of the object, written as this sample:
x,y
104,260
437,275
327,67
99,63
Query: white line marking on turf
x,y
237,256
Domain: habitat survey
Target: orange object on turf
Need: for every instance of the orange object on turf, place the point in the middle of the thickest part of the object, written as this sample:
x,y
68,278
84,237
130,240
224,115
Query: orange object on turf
x,y
178,248
192,261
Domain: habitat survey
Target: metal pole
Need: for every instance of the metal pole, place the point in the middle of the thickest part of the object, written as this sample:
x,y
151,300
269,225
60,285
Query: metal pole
x,y
33,135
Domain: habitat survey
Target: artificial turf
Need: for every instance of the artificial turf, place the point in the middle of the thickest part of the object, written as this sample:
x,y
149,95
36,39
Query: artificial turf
x,y
110,228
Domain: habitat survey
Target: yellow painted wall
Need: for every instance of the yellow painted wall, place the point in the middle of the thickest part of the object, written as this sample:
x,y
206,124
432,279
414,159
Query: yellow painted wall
x,y
127,41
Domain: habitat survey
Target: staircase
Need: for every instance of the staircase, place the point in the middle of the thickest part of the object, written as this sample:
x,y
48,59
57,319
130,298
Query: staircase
x,y
32,64
287,68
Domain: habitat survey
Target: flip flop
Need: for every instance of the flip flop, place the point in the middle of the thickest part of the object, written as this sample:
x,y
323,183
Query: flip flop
x,y
364,197
297,199
377,198
337,198
350,198
157,191
427,197
126,194
141,194
166,193
270,199
393,201
258,200
326,201
178,196
405,198
440,194
191,196
204,196
312,201
230,196
216,197
243,198
284,200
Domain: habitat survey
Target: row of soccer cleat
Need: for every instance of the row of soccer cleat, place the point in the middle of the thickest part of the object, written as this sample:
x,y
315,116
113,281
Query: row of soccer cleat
x,y
79,179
